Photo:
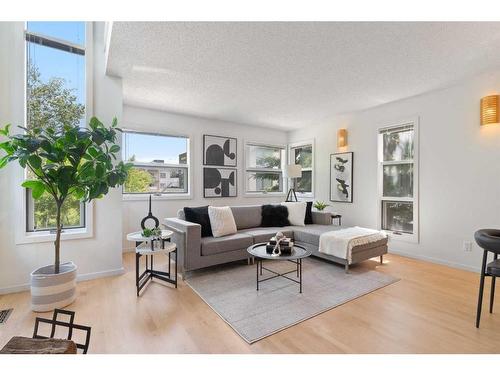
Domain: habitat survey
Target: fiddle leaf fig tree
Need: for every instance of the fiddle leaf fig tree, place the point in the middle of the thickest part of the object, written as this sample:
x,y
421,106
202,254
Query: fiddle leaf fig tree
x,y
66,160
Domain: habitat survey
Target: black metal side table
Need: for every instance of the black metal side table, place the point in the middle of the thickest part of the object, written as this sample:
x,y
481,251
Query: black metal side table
x,y
148,248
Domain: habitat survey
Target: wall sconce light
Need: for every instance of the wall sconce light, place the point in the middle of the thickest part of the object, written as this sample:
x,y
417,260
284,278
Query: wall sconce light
x,y
342,138
490,111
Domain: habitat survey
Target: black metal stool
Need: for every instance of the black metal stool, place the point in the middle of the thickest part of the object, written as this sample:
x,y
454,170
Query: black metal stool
x,y
489,240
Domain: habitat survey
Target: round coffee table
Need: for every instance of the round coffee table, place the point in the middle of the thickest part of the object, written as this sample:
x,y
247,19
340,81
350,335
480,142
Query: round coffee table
x,y
258,251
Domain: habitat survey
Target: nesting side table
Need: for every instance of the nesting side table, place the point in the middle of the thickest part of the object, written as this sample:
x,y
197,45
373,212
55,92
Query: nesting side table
x,y
149,247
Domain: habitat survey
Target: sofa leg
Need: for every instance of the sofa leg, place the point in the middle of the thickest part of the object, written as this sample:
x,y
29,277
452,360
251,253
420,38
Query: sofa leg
x,y
346,267
381,259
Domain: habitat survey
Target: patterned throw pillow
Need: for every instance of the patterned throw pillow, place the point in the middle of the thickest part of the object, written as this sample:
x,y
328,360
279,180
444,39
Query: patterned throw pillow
x,y
221,221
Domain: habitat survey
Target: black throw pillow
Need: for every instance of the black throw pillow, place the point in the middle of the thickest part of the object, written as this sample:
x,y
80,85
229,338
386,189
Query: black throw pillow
x,y
274,216
199,215
309,217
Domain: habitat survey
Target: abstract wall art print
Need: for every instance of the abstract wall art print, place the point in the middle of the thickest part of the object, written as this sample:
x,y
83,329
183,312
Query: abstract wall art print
x,y
219,182
341,177
220,151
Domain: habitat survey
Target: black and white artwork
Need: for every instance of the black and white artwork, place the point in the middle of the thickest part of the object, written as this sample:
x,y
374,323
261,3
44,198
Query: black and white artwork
x,y
219,182
341,177
220,151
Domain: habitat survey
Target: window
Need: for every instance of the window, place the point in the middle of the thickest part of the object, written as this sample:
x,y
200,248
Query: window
x,y
264,168
303,154
55,94
161,163
398,176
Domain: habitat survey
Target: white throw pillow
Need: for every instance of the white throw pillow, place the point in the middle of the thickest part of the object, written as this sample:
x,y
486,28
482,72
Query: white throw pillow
x,y
221,221
296,212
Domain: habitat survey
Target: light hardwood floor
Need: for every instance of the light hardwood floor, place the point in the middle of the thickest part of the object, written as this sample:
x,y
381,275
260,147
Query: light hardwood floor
x,y
430,310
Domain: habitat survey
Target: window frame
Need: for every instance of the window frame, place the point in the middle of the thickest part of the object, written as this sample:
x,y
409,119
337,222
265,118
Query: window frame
x,y
291,158
165,196
247,169
396,235
23,235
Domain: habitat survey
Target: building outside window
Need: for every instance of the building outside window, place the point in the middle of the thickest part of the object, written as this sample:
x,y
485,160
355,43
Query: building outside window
x,y
56,88
161,163
264,168
398,180
303,153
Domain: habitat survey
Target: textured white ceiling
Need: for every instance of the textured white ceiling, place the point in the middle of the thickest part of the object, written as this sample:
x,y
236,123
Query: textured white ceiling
x,y
291,75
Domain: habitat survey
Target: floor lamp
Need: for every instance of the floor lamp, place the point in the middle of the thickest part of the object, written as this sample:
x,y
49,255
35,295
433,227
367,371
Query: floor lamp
x,y
292,171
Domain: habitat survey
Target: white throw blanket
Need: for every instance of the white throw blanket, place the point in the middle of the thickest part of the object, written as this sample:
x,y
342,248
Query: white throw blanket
x,y
340,242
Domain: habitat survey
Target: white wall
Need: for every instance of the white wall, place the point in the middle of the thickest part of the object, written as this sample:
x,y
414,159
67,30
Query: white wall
x,y
459,168
162,122
97,256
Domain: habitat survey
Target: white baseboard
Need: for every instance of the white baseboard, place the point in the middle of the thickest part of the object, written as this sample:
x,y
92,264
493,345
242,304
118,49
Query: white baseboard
x,y
437,261
100,274
82,277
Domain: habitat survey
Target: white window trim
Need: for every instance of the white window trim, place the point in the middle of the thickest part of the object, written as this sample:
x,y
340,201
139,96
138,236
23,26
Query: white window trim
x,y
23,236
404,237
189,165
246,170
313,177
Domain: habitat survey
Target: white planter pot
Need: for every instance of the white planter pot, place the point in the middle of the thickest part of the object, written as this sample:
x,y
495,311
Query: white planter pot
x,y
51,291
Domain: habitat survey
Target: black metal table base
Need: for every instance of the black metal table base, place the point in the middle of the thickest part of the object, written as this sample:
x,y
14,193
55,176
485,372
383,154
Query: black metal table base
x,y
298,272
150,273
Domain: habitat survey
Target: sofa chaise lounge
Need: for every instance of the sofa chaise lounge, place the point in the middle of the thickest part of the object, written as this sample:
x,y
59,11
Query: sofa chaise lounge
x,y
196,252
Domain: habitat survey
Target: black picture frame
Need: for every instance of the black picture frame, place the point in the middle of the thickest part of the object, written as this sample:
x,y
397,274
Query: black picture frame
x,y
349,174
216,163
205,176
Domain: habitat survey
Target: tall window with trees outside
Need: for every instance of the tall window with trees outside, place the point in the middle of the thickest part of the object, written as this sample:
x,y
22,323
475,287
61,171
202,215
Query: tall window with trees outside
x,y
161,163
264,168
398,179
303,154
55,95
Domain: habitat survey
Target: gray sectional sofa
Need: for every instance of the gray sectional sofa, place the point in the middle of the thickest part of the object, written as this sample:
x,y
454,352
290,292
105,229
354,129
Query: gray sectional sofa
x,y
197,252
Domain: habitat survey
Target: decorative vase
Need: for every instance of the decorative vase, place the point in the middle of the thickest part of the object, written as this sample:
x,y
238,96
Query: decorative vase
x,y
51,290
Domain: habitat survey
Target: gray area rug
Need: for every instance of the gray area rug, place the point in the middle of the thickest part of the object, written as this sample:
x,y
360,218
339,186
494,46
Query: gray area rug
x,y
230,290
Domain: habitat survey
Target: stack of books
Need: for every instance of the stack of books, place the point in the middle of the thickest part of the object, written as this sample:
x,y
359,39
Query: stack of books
x,y
286,246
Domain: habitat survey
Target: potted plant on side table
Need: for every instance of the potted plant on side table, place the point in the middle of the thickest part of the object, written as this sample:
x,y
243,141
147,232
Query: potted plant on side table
x,y
64,161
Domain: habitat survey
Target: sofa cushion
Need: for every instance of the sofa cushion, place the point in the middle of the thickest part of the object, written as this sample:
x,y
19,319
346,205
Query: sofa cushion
x,y
221,221
296,212
180,214
247,216
237,241
310,233
274,216
199,215
265,234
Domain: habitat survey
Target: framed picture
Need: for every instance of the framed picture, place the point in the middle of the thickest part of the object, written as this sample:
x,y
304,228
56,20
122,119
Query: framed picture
x,y
219,182
220,151
341,177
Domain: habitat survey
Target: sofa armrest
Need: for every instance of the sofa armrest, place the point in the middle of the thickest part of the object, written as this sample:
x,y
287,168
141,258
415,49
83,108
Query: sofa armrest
x,y
187,236
319,217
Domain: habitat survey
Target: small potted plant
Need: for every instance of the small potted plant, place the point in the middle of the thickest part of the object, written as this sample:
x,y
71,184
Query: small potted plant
x,y
320,206
64,160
